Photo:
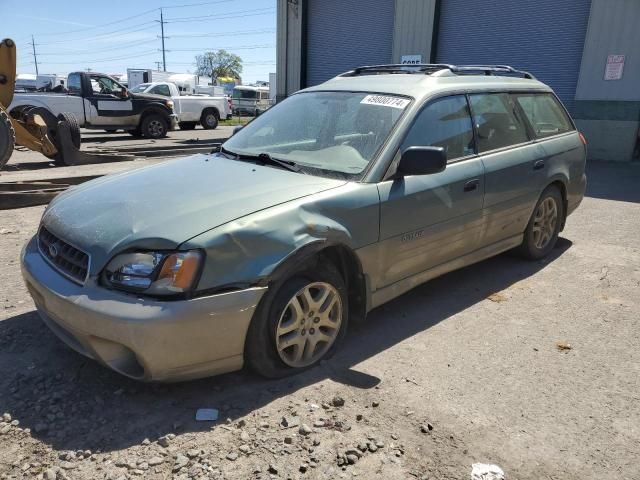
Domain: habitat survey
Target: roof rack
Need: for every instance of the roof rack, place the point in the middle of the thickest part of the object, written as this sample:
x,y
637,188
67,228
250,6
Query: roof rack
x,y
430,68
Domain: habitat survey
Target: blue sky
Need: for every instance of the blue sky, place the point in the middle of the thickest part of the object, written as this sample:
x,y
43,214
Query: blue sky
x,y
118,34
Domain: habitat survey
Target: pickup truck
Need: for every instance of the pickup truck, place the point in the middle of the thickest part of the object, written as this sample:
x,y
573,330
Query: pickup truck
x,y
100,102
191,109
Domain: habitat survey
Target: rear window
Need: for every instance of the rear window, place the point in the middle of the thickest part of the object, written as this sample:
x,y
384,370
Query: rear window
x,y
497,121
73,84
544,113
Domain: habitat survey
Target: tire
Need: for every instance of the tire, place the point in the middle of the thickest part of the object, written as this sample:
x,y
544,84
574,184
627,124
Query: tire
x,y
74,129
154,126
262,352
209,119
7,138
136,132
187,125
544,225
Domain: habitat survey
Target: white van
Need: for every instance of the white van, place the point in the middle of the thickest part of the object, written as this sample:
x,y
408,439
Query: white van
x,y
250,100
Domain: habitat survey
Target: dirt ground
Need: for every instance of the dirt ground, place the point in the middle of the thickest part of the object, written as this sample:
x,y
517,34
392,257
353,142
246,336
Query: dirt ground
x,y
466,368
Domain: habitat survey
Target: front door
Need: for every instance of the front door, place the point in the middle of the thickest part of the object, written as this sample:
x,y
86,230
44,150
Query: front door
x,y
427,220
107,104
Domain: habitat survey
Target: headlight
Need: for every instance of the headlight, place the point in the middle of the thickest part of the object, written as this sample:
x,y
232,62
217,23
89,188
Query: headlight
x,y
170,104
155,273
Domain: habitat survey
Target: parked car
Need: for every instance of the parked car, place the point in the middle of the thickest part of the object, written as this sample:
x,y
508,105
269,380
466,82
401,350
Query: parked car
x,y
100,102
191,109
333,202
250,100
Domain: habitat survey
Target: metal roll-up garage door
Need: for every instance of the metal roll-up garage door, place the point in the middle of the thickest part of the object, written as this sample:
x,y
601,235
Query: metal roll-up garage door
x,y
545,37
343,34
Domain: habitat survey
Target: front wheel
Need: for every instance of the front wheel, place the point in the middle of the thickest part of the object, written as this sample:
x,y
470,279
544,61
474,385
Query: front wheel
x,y
7,138
543,228
154,126
298,323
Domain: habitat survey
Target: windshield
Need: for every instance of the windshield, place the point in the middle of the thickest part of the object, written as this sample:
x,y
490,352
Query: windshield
x,y
140,88
334,131
250,94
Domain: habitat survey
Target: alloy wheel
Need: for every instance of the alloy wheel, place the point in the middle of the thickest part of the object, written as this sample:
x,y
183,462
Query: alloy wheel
x,y
544,222
156,129
309,324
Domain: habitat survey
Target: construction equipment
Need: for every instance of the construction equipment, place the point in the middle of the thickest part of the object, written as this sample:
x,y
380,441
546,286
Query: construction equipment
x,y
35,128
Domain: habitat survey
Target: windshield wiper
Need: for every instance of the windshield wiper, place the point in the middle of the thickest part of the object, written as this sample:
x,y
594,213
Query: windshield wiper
x,y
264,158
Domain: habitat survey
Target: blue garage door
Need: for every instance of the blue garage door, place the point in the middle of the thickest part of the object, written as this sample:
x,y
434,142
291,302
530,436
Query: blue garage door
x,y
545,37
344,34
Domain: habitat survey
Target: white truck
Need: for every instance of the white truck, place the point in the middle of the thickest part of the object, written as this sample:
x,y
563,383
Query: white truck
x,y
98,101
191,109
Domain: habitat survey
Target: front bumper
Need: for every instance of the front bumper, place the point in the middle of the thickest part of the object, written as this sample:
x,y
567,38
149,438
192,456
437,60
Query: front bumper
x,y
142,338
173,121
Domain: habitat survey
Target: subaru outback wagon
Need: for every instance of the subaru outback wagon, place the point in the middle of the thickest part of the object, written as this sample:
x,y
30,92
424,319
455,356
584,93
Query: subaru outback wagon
x,y
338,199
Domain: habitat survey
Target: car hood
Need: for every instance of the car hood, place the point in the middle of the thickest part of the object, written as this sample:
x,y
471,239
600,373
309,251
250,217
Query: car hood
x,y
148,96
162,206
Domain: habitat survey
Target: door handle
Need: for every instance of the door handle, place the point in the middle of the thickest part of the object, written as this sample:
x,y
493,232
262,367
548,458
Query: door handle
x,y
539,165
471,185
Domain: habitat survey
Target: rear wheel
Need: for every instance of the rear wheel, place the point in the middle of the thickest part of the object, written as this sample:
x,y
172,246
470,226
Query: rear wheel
x,y
154,126
543,228
209,119
7,138
187,125
298,323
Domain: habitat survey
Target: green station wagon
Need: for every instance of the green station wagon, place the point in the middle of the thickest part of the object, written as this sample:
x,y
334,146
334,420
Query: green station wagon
x,y
333,202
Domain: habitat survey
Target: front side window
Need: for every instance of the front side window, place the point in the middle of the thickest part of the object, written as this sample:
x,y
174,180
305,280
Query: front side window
x,y
446,123
544,113
332,131
497,121
105,86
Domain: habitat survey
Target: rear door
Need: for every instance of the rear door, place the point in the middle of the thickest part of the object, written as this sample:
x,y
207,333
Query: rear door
x,y
427,220
509,156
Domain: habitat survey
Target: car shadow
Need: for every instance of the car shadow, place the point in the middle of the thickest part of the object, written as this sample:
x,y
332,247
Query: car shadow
x,y
72,403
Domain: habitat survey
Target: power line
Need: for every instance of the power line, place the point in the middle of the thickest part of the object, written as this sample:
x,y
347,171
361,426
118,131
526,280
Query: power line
x,y
124,46
104,36
240,47
237,14
223,34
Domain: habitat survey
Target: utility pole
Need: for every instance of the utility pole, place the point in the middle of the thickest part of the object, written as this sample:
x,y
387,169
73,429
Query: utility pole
x,y
35,57
164,59
158,65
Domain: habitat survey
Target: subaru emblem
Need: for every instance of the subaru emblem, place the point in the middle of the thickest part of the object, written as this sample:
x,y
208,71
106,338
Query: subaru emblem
x,y
53,251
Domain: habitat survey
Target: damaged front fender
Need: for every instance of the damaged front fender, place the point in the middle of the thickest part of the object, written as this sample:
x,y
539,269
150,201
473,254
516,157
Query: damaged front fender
x,y
248,251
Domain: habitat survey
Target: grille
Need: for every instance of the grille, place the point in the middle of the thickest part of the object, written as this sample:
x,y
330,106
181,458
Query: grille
x,y
67,259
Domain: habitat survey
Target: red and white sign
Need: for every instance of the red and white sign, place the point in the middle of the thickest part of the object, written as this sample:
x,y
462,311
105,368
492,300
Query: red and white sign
x,y
614,68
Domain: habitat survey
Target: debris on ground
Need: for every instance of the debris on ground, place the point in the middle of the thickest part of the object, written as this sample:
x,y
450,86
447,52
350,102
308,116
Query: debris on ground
x,y
207,415
497,297
563,346
485,471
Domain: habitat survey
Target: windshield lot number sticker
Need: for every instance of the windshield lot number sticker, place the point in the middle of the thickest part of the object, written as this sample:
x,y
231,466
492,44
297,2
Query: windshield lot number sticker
x,y
386,101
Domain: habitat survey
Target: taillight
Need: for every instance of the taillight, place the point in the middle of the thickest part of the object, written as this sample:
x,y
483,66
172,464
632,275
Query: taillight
x,y
582,139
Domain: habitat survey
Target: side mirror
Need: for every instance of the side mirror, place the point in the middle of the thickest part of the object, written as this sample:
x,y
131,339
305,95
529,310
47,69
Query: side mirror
x,y
422,161
236,129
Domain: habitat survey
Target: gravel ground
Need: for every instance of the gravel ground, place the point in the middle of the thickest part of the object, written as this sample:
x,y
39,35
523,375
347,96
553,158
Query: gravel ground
x,y
530,366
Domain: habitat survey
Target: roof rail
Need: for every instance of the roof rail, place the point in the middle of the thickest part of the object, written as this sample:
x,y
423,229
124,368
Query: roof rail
x,y
429,68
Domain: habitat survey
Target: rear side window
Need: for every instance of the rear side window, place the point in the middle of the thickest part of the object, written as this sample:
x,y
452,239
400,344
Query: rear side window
x,y
161,90
544,113
446,123
73,84
497,121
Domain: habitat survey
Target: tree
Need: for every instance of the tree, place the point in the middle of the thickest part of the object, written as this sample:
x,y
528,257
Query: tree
x,y
219,64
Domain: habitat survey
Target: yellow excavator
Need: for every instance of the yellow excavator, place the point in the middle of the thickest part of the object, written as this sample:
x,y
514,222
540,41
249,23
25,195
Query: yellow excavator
x,y
57,138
